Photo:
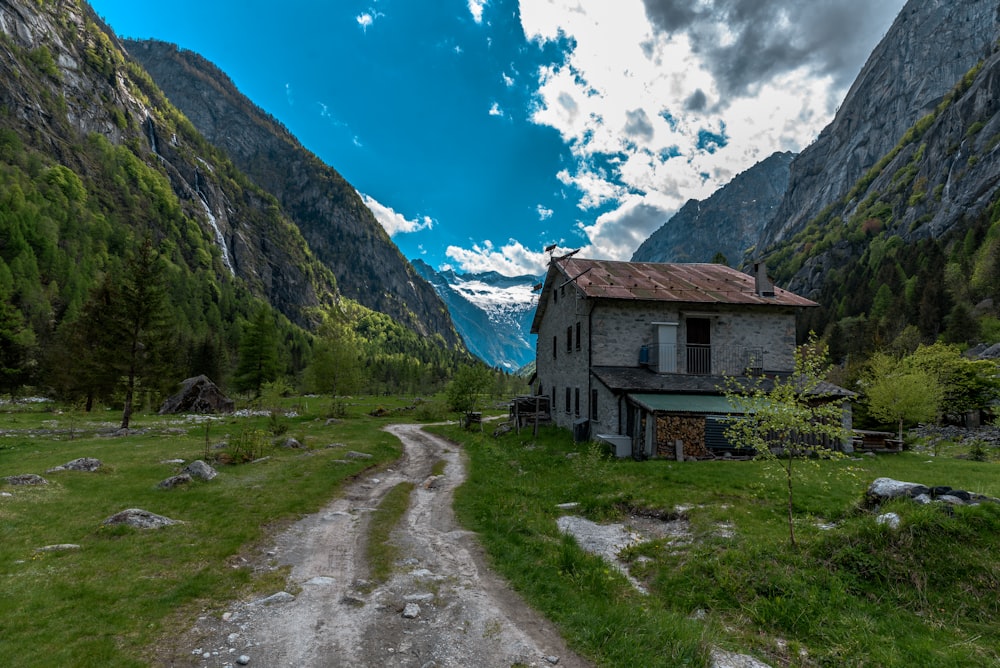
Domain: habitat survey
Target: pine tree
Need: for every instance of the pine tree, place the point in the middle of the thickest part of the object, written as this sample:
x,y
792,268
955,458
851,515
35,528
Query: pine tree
x,y
141,322
258,354
16,342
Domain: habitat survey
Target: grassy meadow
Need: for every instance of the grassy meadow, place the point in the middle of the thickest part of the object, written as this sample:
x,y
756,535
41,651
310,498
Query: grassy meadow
x,y
852,592
106,603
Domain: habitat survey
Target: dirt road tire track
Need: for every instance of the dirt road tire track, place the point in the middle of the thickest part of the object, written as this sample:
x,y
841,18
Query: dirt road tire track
x,y
468,616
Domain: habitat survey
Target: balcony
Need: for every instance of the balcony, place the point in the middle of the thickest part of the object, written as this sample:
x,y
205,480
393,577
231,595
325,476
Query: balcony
x,y
705,360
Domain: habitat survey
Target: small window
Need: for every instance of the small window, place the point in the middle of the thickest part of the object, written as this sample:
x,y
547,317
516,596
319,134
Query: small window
x,y
576,402
569,339
555,296
569,396
555,347
577,336
593,404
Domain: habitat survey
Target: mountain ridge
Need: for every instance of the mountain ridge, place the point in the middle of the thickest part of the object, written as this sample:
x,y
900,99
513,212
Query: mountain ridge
x,y
334,221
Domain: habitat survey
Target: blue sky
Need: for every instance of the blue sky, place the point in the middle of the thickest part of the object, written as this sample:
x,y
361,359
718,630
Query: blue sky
x,y
481,131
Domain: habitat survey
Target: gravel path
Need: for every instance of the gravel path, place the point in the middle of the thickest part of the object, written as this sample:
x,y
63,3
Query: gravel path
x,y
442,607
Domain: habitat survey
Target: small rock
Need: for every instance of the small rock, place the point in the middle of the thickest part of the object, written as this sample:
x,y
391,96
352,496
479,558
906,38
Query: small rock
x,y
226,616
26,479
292,444
891,520
61,547
243,659
6,494
280,597
232,638
351,454
172,461
567,506
320,580
411,611
552,659
139,518
419,598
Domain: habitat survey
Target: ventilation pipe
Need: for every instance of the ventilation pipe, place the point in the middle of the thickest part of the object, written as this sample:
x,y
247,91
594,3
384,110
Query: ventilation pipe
x,y
763,285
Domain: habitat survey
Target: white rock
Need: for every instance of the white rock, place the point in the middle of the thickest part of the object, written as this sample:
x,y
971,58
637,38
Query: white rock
x,y
891,520
411,611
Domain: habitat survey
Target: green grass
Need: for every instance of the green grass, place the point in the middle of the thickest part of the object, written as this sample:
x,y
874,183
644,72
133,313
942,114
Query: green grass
x,y
857,594
103,604
380,551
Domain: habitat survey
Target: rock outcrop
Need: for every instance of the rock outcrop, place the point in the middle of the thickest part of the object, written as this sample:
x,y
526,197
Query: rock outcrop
x,y
728,222
930,46
198,395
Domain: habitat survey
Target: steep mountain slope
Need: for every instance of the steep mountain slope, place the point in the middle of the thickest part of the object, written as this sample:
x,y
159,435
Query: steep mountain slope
x,y
492,312
728,222
338,227
915,243
930,46
70,97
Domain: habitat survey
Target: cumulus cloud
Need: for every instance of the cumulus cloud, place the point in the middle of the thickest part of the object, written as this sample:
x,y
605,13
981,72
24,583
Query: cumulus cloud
x,y
544,213
687,94
393,221
495,109
511,259
747,42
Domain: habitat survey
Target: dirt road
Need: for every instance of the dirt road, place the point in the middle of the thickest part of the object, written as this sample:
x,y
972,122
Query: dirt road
x,y
442,607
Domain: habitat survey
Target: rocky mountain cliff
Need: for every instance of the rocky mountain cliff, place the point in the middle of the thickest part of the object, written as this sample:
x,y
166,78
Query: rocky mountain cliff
x,y
341,231
728,222
70,97
492,313
930,46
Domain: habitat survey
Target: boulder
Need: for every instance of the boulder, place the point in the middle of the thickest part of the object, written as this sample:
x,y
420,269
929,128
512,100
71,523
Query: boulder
x,y
140,519
175,481
198,395
88,464
26,479
201,470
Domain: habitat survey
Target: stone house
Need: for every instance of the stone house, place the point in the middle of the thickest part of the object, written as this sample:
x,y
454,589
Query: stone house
x,y
636,353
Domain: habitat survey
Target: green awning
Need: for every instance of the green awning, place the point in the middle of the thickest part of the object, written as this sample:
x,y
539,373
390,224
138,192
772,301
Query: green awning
x,y
684,403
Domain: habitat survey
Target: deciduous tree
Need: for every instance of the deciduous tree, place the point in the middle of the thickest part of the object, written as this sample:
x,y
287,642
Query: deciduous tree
x,y
783,417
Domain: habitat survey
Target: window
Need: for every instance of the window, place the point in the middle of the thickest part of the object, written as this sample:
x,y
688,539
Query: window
x,y
569,339
576,402
577,336
568,397
593,404
555,347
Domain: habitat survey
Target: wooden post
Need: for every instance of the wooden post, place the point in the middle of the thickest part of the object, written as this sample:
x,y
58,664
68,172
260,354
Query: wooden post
x,y
537,409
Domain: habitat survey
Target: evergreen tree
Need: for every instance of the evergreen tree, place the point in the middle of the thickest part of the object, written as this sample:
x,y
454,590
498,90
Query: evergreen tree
x,y
140,320
16,343
258,362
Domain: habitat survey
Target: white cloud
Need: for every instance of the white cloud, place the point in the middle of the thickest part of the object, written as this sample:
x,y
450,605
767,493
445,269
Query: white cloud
x,y
365,20
476,9
495,110
512,259
638,111
544,213
394,222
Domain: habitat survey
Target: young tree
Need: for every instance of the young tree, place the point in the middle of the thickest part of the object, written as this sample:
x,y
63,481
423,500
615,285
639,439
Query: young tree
x,y
258,353
466,390
336,363
900,393
788,416
966,384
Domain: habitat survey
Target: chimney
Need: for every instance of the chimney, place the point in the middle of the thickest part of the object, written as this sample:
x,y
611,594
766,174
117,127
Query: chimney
x,y
762,284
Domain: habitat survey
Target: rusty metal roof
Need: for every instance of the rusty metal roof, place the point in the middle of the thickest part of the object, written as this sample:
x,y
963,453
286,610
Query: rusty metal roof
x,y
693,283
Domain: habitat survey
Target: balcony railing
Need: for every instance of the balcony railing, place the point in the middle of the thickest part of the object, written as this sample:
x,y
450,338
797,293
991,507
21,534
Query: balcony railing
x,y
702,359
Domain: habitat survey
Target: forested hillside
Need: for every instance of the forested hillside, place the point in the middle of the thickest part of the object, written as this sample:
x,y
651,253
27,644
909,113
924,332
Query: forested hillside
x,y
107,191
912,252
